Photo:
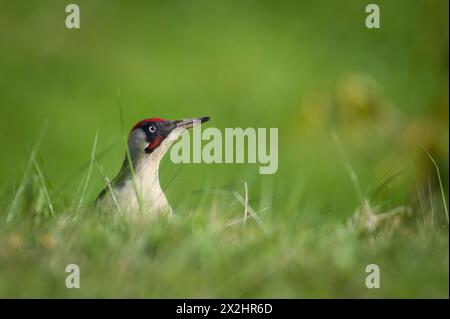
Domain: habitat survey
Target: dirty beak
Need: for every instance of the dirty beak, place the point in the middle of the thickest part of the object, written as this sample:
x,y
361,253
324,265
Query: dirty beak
x,y
188,123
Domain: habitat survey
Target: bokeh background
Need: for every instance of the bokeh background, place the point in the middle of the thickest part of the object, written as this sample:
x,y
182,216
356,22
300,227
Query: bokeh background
x,y
353,105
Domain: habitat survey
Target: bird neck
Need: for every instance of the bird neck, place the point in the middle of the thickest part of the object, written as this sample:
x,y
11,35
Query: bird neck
x,y
140,182
143,171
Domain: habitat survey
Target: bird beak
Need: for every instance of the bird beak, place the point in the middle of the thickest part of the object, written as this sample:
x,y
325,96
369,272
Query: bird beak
x,y
188,123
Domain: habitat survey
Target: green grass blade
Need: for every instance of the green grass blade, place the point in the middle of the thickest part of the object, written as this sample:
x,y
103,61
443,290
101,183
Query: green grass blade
x,y
44,187
29,166
89,174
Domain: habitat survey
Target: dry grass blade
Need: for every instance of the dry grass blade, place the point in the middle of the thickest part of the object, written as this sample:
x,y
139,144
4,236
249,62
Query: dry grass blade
x,y
246,203
444,202
251,211
240,220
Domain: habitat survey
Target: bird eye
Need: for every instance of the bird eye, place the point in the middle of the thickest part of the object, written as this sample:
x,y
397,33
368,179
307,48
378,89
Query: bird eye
x,y
152,129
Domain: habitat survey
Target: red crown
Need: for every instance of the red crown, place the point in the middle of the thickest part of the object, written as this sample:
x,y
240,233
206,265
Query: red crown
x,y
143,122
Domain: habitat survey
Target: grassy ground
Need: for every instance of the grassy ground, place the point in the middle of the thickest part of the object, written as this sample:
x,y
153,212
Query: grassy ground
x,y
354,186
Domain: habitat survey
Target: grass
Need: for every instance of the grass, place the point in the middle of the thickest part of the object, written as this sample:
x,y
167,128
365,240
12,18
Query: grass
x,y
441,187
363,149
222,247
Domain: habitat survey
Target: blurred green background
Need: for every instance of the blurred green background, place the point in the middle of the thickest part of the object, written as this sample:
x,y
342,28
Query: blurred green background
x,y
346,99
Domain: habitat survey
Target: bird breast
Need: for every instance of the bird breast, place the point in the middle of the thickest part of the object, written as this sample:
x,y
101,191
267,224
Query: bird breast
x,y
138,191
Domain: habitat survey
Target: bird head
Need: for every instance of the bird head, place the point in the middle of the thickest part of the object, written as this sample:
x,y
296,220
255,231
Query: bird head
x,y
156,135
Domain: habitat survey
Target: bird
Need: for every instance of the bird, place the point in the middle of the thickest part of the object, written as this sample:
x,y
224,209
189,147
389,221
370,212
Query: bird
x,y
136,187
